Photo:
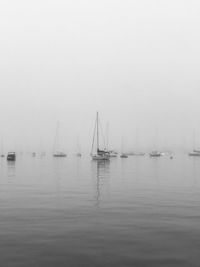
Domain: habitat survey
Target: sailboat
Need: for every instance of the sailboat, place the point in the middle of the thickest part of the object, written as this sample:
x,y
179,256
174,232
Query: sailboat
x,y
112,153
195,152
78,154
155,153
123,155
99,154
57,152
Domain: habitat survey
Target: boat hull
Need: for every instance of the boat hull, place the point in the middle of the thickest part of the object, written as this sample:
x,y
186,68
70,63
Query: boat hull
x,y
124,156
59,156
100,157
155,154
194,154
11,157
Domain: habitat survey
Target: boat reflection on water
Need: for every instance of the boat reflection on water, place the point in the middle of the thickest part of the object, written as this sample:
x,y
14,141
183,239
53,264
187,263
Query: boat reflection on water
x,y
101,173
57,169
11,168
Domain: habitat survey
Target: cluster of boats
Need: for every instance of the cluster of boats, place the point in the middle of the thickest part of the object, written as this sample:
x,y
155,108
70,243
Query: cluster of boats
x,y
105,154
11,156
98,153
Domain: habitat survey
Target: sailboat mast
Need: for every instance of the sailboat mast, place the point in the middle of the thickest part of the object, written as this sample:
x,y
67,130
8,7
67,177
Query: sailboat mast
x,y
56,140
194,141
107,135
97,132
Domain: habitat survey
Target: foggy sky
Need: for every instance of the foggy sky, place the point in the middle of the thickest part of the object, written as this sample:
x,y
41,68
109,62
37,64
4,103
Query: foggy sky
x,y
136,62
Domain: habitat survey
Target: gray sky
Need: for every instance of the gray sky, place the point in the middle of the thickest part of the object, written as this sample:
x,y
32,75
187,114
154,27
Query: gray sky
x,y
137,62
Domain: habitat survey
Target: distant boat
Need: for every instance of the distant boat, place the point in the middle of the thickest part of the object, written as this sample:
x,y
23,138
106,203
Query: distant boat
x,y
194,153
196,150
155,154
57,151
33,154
111,153
59,154
78,154
11,156
99,154
123,155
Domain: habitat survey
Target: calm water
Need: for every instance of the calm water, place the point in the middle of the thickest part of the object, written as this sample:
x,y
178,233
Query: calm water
x,y
138,211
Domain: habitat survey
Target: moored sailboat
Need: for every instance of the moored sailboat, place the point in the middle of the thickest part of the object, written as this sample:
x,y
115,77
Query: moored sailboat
x,y
78,154
11,156
57,152
155,153
123,155
98,154
111,153
194,152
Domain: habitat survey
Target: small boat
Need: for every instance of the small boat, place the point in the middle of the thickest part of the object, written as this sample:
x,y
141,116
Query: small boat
x,y
78,154
100,157
33,154
2,155
123,155
194,153
155,154
99,154
111,153
59,154
11,156
196,150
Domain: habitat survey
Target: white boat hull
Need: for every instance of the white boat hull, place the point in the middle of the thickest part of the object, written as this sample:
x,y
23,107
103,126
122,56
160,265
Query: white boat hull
x,y
100,157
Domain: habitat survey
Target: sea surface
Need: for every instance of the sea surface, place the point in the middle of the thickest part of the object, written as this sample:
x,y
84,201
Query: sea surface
x,y
138,211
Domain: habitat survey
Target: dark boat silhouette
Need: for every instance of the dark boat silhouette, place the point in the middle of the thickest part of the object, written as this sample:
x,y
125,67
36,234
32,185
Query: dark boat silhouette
x,y
11,156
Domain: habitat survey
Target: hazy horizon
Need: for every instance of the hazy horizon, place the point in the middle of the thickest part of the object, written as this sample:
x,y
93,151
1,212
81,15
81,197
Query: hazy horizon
x,y
136,62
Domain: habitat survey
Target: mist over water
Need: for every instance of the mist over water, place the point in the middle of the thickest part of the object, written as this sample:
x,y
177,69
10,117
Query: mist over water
x,y
134,62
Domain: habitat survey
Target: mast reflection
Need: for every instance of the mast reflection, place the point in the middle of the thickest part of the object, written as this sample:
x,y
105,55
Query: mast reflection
x,y
11,168
101,172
